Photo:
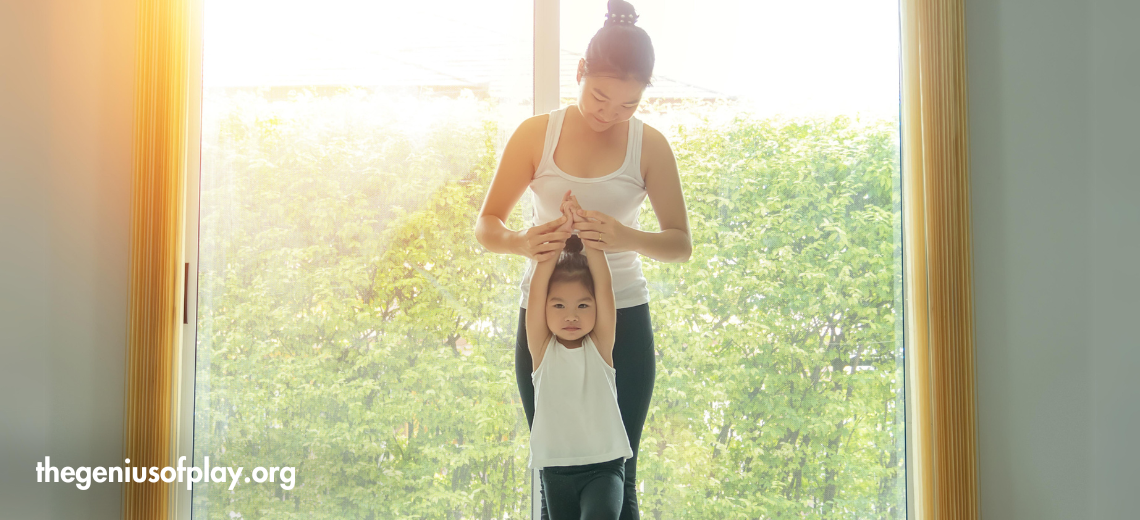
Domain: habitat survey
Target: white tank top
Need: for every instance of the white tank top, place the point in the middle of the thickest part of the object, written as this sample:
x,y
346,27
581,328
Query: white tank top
x,y
618,194
576,415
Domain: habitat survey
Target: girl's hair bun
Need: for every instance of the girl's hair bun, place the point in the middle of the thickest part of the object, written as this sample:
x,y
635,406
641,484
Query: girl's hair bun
x,y
573,266
573,245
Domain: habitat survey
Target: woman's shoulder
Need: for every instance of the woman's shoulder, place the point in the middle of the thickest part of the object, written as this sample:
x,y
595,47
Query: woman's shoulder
x,y
652,139
655,149
534,126
531,133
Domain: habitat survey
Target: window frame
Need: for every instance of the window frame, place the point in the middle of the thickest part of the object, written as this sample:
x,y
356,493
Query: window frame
x,y
181,499
546,98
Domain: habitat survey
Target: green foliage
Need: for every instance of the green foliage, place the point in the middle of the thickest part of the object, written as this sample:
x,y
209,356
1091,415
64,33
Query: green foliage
x,y
779,381
351,326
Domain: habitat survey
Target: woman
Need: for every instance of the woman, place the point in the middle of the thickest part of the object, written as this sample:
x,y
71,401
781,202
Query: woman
x,y
610,161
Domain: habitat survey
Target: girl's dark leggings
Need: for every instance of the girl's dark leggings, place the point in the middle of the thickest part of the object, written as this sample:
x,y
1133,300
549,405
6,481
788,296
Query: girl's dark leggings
x,y
635,364
586,492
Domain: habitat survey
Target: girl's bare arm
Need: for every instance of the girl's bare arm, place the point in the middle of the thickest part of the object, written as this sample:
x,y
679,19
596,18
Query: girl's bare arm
x,y
537,332
605,324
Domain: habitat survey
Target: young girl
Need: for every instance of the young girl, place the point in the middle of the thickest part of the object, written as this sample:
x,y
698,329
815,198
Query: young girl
x,y
578,437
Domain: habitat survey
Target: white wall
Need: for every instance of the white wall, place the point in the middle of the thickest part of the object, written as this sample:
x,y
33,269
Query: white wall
x,y
1056,221
66,79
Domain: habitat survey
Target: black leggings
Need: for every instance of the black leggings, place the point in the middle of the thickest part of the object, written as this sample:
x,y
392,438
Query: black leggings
x,y
635,364
586,492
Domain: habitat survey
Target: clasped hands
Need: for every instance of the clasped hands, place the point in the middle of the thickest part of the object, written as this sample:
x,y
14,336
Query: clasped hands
x,y
596,229
571,213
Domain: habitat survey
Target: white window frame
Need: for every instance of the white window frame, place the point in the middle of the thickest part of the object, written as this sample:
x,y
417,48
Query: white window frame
x,y
547,42
180,498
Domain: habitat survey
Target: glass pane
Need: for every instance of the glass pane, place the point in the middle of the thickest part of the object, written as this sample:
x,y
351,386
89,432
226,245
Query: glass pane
x,y
350,326
780,349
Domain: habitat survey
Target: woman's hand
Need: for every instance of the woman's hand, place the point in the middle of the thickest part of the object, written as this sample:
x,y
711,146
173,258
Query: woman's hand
x,y
545,241
603,232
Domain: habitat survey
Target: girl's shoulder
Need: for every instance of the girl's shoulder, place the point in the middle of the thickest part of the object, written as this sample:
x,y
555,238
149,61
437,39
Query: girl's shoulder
x,y
605,354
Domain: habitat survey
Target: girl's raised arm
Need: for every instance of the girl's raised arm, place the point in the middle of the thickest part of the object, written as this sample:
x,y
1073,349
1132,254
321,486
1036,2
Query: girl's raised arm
x,y
605,324
537,332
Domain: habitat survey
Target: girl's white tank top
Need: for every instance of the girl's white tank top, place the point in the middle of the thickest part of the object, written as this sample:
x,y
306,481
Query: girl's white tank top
x,y
576,415
619,194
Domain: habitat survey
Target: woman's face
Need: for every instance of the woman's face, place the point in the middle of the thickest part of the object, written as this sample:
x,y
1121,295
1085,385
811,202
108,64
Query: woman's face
x,y
606,101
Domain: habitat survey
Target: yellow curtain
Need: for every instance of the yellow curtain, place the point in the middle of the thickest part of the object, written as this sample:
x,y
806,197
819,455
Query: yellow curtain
x,y
940,309
156,274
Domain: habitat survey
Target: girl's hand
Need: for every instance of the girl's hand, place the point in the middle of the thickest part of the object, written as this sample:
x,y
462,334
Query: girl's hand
x,y
546,241
567,214
603,232
570,209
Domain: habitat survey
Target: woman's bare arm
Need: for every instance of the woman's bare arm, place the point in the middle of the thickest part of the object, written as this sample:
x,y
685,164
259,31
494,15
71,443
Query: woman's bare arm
x,y
663,185
515,171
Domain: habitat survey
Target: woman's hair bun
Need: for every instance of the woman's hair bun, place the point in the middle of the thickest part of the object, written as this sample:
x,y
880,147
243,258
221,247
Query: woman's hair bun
x,y
620,49
620,13
573,245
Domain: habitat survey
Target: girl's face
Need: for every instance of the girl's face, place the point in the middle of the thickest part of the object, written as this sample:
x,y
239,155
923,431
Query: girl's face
x,y
570,310
606,101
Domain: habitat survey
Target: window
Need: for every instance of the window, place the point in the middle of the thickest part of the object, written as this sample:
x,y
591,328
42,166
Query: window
x,y
349,325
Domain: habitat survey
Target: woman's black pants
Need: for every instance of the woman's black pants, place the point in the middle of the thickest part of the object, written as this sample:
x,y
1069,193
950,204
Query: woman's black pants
x,y
635,364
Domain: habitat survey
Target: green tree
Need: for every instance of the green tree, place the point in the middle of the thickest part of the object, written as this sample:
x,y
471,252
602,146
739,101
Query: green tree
x,y
346,329
353,328
780,377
